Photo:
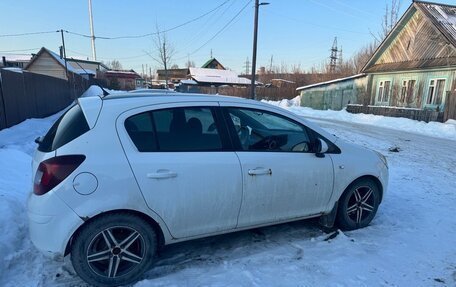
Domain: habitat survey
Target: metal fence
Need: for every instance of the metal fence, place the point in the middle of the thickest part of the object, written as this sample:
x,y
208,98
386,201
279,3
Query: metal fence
x,y
25,95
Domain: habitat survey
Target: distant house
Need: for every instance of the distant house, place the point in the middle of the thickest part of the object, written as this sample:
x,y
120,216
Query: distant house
x,y
216,77
415,66
17,61
213,63
46,62
123,79
174,75
335,94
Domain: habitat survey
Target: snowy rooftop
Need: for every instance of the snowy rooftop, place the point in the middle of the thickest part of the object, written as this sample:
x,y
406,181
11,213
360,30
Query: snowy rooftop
x,y
330,82
17,57
203,75
443,16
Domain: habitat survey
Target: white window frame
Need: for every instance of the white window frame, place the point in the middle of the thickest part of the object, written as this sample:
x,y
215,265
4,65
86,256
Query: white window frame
x,y
430,99
405,86
380,95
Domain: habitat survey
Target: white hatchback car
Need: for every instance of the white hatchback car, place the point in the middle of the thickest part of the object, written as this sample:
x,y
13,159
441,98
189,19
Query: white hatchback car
x,y
117,177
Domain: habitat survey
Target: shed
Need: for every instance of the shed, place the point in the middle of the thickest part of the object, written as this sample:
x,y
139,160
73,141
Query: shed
x,y
334,94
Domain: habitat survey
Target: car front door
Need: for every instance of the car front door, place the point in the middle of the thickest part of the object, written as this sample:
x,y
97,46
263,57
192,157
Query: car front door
x,y
178,155
282,177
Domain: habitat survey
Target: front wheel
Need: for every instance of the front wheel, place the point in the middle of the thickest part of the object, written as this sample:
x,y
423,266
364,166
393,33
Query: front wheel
x,y
358,205
112,250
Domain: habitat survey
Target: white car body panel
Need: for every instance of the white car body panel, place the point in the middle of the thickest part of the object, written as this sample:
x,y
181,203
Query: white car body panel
x,y
215,194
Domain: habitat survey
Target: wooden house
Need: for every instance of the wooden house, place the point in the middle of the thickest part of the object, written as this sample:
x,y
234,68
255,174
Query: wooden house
x,y
213,63
415,65
47,62
123,80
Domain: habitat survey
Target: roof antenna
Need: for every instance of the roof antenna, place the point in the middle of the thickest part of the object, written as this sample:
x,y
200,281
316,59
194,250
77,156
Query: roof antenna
x,y
105,93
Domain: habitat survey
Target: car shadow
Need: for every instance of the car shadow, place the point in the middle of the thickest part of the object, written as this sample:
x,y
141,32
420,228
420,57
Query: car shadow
x,y
216,250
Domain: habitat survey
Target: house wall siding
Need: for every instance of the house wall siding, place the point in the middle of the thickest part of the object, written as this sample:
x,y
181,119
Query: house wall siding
x,y
420,96
46,65
335,96
416,40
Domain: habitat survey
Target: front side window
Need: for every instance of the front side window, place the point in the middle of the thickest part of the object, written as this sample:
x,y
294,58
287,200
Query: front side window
x,y
435,92
259,130
176,129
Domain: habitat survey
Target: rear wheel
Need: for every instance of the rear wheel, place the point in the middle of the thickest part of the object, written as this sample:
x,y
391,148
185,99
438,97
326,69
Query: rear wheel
x,y
115,249
358,205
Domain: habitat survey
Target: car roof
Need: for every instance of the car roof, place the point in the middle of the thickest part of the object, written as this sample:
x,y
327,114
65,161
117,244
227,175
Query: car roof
x,y
163,97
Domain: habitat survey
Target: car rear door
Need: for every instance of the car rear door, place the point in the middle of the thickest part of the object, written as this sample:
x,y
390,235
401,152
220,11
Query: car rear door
x,y
282,177
186,172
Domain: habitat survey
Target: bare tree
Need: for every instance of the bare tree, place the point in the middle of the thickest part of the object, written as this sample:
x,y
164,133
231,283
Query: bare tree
x,y
362,56
114,65
389,20
164,52
190,64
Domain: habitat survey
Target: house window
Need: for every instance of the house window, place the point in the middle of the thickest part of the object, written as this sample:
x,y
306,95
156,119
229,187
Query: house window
x,y
384,88
435,92
407,91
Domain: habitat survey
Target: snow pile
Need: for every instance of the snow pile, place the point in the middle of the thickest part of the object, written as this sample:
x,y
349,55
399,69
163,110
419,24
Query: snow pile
x,y
435,129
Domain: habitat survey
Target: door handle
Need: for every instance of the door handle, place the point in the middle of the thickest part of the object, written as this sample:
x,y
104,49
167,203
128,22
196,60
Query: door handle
x,y
260,171
160,174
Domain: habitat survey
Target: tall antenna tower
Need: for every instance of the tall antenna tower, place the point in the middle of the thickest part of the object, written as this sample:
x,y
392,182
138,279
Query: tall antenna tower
x,y
247,66
333,58
341,61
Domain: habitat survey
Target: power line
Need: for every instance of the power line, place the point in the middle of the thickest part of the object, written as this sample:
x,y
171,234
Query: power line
x,y
22,50
153,33
30,33
222,29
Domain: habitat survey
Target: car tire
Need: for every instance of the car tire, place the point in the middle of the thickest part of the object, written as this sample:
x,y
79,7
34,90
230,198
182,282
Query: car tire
x,y
114,249
358,205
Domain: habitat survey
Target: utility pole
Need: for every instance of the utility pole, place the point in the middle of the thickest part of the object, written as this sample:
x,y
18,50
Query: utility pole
x,y
211,53
333,57
255,38
64,54
92,36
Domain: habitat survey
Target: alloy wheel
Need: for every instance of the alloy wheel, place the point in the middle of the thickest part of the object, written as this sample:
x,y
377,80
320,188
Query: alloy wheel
x,y
115,251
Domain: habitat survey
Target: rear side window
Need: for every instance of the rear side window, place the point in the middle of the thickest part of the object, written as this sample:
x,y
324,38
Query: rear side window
x,y
69,126
176,129
141,131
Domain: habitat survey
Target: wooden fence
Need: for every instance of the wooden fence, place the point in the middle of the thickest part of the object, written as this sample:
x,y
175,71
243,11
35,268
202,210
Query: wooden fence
x,y
269,93
450,107
414,114
25,95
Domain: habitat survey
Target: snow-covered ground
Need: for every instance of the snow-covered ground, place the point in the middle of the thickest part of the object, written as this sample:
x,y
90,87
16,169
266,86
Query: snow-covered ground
x,y
411,242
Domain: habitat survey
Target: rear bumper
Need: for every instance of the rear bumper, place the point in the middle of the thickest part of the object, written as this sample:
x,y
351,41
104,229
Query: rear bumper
x,y
51,223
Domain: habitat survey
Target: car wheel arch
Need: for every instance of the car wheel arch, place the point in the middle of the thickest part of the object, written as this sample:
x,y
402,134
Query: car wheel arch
x,y
153,224
365,177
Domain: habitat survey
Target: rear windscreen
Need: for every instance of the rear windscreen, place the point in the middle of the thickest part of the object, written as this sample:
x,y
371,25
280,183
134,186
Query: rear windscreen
x,y
69,126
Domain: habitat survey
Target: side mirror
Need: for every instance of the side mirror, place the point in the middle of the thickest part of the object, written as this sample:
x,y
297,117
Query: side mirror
x,y
320,148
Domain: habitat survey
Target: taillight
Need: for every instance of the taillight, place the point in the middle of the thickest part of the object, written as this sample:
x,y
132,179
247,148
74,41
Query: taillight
x,y
53,171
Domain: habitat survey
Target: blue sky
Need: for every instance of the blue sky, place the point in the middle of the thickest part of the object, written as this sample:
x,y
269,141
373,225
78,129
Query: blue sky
x,y
294,32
